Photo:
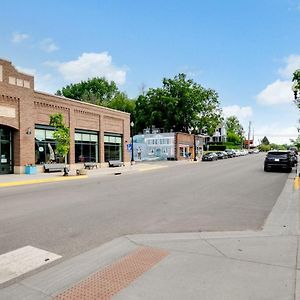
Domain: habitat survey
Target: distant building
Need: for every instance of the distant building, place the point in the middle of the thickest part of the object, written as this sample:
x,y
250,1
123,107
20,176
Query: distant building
x,y
219,136
166,146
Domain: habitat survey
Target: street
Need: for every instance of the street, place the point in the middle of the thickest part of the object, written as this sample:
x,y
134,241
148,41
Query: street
x,y
69,218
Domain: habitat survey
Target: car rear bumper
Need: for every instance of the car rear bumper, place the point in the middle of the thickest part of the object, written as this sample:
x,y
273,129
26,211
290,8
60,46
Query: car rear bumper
x,y
278,165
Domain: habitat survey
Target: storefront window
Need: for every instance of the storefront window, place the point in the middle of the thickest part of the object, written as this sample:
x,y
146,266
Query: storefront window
x,y
113,147
45,146
86,146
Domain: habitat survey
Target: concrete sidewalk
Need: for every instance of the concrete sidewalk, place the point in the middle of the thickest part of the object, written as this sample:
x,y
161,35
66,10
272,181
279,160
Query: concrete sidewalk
x,y
202,265
23,179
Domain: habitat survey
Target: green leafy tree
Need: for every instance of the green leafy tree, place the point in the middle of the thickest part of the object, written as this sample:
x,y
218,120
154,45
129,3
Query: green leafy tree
x,y
264,147
296,142
234,130
96,91
233,138
265,141
61,135
179,105
233,124
122,102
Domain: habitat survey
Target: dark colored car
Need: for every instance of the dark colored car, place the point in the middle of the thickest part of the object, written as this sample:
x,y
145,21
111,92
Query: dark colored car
x,y
209,156
279,160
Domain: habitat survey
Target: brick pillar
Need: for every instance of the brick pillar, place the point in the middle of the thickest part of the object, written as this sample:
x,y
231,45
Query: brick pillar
x,y
72,136
101,139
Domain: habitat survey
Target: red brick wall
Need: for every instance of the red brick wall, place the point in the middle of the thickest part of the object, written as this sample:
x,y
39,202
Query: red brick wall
x,y
36,107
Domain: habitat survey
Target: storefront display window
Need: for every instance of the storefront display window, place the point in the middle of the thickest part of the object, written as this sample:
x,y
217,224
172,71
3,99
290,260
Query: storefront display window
x,y
86,146
113,147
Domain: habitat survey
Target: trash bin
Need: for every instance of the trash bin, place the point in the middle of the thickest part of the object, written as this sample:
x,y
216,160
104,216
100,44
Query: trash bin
x,y
29,170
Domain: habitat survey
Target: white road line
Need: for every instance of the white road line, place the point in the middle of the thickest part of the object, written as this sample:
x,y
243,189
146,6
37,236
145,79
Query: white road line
x,y
23,260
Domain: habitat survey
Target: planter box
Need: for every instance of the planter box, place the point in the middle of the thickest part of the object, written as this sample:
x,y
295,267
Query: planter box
x,y
29,170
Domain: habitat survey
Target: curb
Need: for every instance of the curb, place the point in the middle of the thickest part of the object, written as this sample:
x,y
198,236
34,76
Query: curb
x,y
44,180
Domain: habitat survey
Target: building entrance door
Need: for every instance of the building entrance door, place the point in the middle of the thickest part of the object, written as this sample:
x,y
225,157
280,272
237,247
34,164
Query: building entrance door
x,y
6,157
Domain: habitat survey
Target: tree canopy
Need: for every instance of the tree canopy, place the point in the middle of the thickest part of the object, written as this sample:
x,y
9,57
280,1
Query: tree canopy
x,y
265,141
99,91
234,130
179,105
96,90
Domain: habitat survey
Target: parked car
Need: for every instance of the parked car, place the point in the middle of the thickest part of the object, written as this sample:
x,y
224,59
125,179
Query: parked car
x,y
210,156
278,159
230,153
220,155
225,154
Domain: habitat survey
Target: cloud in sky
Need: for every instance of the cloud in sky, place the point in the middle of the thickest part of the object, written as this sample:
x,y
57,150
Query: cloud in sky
x,y
280,91
18,38
277,92
48,45
89,65
292,64
276,133
242,112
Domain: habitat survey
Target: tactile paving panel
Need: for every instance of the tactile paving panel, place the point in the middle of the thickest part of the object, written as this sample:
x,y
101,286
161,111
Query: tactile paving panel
x,y
106,283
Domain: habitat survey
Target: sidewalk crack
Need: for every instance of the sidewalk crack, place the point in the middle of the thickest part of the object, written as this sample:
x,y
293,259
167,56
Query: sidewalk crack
x,y
213,246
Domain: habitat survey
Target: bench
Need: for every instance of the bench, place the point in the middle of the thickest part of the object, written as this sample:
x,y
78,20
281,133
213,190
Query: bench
x,y
54,167
115,163
90,165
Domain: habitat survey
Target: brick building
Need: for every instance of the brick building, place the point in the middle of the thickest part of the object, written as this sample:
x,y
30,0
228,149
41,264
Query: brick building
x,y
98,134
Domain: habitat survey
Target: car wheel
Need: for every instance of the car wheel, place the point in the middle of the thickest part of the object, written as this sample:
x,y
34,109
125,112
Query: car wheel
x,y
266,169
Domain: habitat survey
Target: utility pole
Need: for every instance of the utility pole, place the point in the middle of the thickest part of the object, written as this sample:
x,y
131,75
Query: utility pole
x,y
249,133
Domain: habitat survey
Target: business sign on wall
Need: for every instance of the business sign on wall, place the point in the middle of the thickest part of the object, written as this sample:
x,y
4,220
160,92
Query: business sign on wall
x,y
8,112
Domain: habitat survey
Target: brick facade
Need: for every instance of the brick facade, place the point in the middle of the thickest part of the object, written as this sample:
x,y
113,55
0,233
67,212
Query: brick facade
x,y
21,108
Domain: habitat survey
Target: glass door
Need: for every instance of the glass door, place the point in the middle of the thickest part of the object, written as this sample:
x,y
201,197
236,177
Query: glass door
x,y
6,163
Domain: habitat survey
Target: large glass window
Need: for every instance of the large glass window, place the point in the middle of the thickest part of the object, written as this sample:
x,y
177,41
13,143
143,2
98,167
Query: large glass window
x,y
113,147
86,146
45,146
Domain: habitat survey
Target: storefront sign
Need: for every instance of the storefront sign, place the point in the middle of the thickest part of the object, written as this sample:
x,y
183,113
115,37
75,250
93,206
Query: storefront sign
x,y
8,112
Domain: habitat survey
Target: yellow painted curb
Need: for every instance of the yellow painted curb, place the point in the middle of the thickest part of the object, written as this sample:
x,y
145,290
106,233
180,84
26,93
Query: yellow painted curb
x,y
297,183
44,180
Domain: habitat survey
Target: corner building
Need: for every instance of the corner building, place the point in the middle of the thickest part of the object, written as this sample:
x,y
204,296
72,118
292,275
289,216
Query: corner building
x,y
98,134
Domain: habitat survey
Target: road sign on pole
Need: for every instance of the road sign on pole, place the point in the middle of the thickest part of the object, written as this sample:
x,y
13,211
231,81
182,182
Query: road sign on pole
x,y
129,147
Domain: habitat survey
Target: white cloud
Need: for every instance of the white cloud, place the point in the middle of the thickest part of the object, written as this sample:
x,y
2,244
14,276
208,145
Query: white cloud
x,y
90,65
278,92
48,45
276,133
292,64
18,38
241,113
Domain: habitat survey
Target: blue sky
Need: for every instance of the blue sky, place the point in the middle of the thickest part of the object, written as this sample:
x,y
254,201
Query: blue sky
x,y
245,50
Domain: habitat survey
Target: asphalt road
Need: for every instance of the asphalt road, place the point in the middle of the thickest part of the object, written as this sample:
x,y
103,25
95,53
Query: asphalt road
x,y
69,218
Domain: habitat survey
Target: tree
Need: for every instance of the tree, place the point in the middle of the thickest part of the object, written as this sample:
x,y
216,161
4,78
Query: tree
x,y
296,86
96,91
234,130
233,138
233,124
296,142
265,141
61,135
179,105
121,102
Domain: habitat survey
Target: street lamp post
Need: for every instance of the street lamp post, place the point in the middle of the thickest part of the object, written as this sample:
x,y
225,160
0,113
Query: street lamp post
x,y
132,157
